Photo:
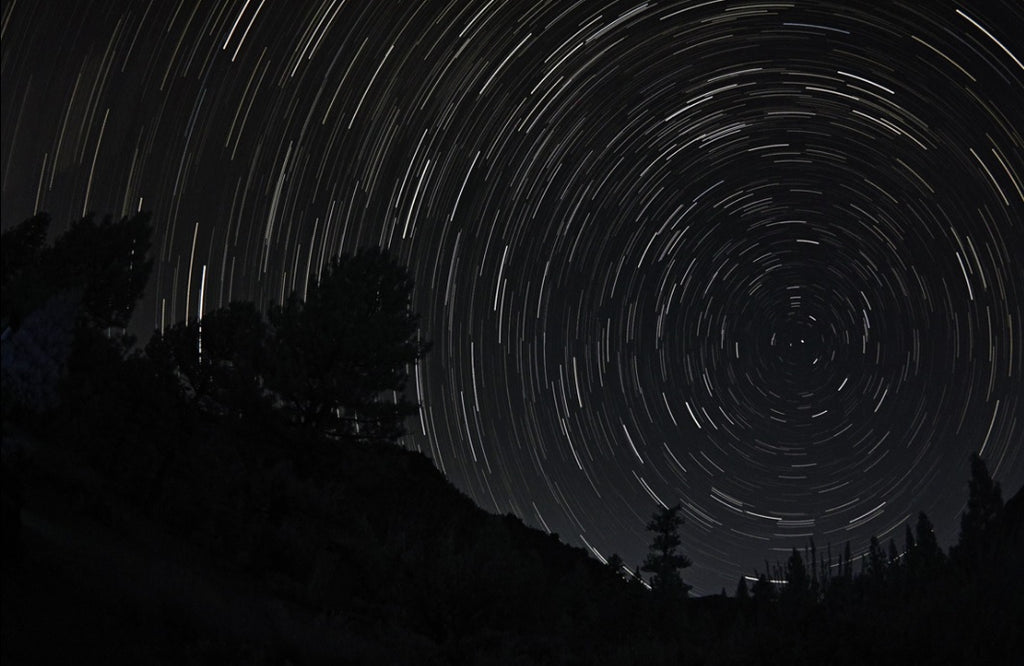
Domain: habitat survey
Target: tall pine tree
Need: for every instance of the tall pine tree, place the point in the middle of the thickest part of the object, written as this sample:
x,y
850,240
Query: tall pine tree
x,y
664,561
984,506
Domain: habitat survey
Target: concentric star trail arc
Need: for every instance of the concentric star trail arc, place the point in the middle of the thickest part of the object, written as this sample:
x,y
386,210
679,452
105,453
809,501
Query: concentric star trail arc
x,y
765,259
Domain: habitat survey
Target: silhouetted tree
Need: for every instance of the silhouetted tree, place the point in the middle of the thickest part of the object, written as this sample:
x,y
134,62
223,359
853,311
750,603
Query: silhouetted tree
x,y
105,263
615,563
108,261
876,561
825,573
742,593
796,593
664,562
341,356
763,592
221,356
20,249
61,300
176,351
21,245
984,505
814,587
926,558
927,543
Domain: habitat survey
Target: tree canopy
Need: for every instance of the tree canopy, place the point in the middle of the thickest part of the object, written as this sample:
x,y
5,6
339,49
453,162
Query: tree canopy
x,y
60,300
664,561
104,262
334,360
984,506
340,358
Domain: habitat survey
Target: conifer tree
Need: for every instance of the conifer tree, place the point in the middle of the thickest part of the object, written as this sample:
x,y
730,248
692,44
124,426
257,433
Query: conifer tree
x,y
763,592
825,575
664,561
797,590
876,560
924,559
984,505
893,554
814,584
927,544
742,592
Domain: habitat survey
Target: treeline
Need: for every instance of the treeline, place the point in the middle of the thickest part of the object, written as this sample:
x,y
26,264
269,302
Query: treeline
x,y
321,361
892,573
906,603
257,437
895,604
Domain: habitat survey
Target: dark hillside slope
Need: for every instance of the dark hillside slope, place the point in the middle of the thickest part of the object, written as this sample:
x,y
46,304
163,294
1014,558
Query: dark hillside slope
x,y
373,557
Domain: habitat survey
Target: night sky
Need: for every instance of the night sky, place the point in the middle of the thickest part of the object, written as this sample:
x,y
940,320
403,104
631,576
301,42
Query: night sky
x,y
765,259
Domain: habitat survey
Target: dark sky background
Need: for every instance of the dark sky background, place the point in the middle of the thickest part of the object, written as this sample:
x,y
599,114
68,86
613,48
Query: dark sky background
x,y
765,259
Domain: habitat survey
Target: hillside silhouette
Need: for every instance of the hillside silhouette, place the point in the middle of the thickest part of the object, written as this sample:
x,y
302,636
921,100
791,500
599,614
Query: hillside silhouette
x,y
233,493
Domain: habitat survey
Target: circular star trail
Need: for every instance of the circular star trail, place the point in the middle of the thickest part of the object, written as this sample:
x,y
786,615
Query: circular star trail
x,y
765,259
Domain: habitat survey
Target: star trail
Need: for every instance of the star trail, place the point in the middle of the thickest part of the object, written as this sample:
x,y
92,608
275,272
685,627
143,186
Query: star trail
x,y
765,259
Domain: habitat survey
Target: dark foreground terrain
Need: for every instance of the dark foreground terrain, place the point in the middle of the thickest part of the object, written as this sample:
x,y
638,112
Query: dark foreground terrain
x,y
236,493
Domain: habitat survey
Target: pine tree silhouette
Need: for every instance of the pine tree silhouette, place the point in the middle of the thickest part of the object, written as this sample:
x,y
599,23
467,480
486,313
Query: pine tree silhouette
x,y
664,562
795,596
742,592
984,506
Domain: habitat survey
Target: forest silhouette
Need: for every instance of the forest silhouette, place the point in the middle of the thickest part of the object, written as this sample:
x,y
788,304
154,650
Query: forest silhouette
x,y
233,492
